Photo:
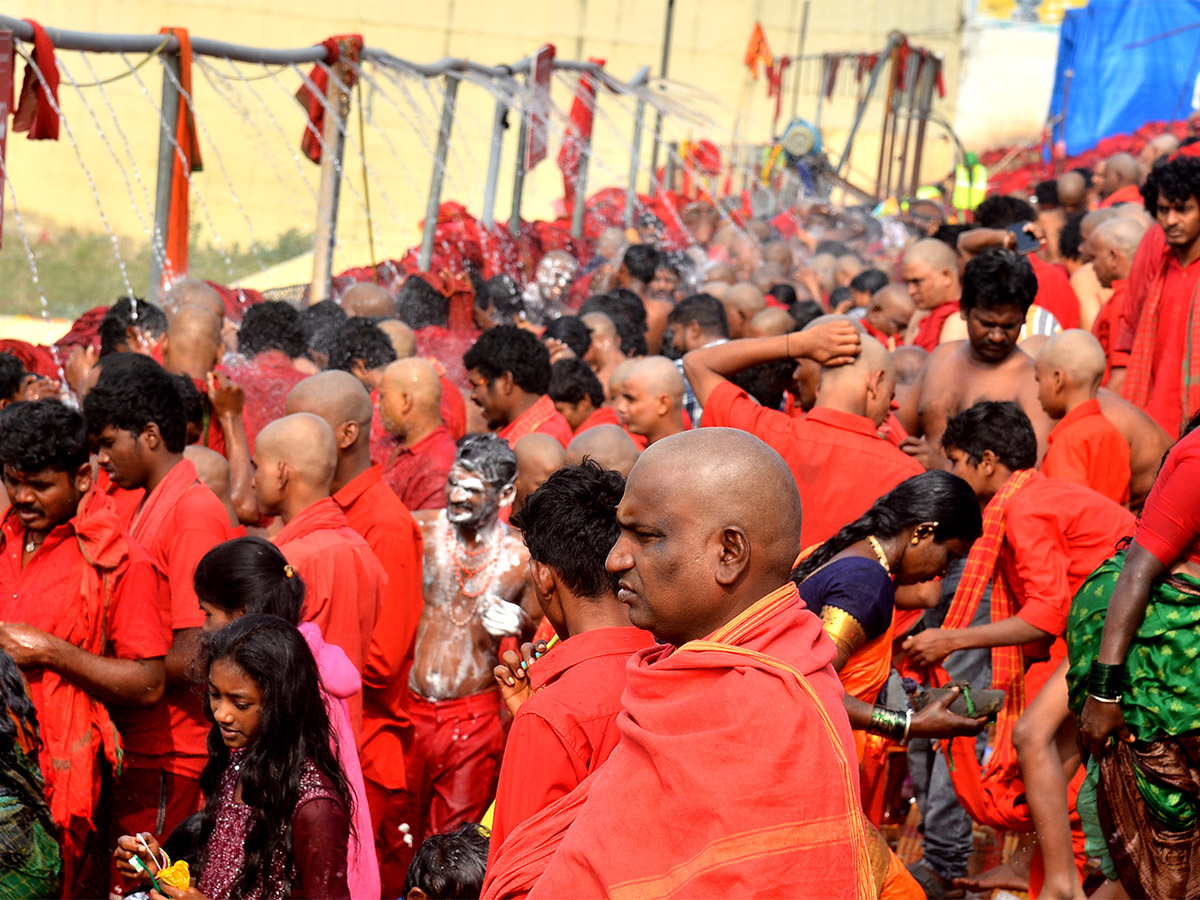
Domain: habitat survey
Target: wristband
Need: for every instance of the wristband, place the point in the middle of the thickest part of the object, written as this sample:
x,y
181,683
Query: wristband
x,y
888,723
1105,681
908,714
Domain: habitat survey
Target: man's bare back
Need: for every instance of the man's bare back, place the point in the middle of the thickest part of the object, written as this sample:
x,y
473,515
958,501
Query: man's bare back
x,y
454,654
1147,441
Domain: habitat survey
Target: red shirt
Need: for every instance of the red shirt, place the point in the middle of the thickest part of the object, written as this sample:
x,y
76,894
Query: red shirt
x,y
604,415
1085,448
180,521
840,463
568,727
1055,293
1130,193
343,582
541,418
418,474
266,380
1105,326
1170,523
1055,535
389,529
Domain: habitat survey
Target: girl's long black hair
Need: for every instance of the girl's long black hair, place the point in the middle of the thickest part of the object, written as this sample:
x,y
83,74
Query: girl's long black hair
x,y
293,728
20,716
933,496
249,575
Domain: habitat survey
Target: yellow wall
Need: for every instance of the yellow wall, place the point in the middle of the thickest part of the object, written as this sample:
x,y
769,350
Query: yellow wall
x,y
257,156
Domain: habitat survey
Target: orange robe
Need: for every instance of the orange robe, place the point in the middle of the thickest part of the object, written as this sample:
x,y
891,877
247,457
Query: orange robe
x,y
343,582
1085,448
1105,326
1130,193
541,418
751,829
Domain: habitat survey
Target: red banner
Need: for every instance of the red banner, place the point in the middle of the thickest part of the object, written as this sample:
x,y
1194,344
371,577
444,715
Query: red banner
x,y
6,108
538,136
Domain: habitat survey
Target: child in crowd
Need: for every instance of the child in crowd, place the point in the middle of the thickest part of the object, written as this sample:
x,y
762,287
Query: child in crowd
x,y
449,866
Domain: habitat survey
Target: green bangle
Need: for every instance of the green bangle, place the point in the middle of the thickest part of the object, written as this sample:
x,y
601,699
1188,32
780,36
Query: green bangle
x,y
888,723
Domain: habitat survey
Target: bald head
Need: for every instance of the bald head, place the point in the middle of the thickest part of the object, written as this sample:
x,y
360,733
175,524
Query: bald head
x,y
771,321
1112,246
193,342
1093,219
767,275
538,457
337,397
742,302
190,292
608,445
404,340
890,309
864,387
368,301
601,326
1072,191
213,471
930,269
409,391
721,271
1156,149
659,376
847,266
1120,170
908,362
301,446
1070,363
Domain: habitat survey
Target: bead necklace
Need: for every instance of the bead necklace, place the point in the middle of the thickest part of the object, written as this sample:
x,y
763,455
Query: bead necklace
x,y
465,573
879,554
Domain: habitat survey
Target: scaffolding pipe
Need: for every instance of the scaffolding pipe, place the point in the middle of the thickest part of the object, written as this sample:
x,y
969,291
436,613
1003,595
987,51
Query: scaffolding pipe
x,y
634,160
166,164
333,146
488,216
439,173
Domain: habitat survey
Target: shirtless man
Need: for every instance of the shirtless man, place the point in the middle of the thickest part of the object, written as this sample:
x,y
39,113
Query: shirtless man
x,y
475,585
604,354
998,289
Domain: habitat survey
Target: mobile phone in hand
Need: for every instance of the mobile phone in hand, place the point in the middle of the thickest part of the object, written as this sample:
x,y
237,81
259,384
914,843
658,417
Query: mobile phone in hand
x,y
1026,242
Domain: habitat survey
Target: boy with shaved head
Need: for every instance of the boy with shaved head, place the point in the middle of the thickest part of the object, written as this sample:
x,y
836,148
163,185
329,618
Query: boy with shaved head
x,y
738,647
375,513
1084,447
652,396
930,270
295,461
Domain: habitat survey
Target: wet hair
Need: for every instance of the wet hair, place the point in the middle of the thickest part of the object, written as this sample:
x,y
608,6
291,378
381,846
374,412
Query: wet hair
x,y
948,234
1002,428
705,310
294,732
804,312
450,866
192,400
1000,211
1176,180
125,312
249,575
419,304
628,316
572,379
933,496
272,325
998,277
571,331
489,457
503,295
507,348
133,393
42,434
12,376
570,524
766,382
784,293
321,321
360,340
1046,193
1070,239
641,260
869,281
20,780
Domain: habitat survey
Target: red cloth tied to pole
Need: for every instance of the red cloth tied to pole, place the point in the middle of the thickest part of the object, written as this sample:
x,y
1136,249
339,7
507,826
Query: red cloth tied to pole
x,y
579,134
187,153
314,105
39,96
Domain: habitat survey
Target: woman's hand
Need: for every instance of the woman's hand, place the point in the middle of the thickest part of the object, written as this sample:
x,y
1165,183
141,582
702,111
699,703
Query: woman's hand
x,y
144,847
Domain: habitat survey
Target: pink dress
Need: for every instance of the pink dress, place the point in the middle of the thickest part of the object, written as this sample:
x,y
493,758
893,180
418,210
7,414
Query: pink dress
x,y
342,680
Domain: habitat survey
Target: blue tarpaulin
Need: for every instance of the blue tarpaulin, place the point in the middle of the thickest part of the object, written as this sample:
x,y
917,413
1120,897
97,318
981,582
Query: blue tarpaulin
x,y
1133,62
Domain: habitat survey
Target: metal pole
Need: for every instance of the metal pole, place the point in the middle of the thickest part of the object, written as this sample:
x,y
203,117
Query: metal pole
x,y
670,166
916,77
862,106
821,91
166,163
666,55
799,60
439,173
514,219
493,172
929,80
634,159
334,144
585,157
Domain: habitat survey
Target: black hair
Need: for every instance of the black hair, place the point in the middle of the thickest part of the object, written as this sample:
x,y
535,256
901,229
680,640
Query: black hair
x,y
1086,172
294,732
125,312
998,277
948,234
570,524
272,325
628,316
507,348
641,260
1176,180
1046,193
933,496
489,457
784,293
804,312
502,295
12,376
419,304
766,382
869,281
133,393
250,575
19,778
42,434
572,379
320,317
1000,211
450,866
183,843
1002,428
836,248
1070,238
192,400
572,331
705,310
839,295
360,340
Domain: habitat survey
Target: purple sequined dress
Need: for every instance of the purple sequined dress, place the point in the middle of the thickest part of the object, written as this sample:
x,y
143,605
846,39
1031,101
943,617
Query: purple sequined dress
x,y
226,846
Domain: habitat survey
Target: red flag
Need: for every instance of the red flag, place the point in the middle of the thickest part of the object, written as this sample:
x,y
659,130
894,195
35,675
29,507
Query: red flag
x,y
34,111
578,134
538,136
175,247
314,130
758,51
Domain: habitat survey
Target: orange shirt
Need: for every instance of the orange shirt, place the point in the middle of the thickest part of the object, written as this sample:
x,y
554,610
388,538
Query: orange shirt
x,y
343,582
1131,193
373,511
605,415
541,418
1085,448
1105,325
840,463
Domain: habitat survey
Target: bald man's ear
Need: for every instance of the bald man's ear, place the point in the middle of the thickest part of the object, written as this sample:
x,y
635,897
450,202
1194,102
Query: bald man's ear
x,y
735,556
662,405
346,434
873,382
